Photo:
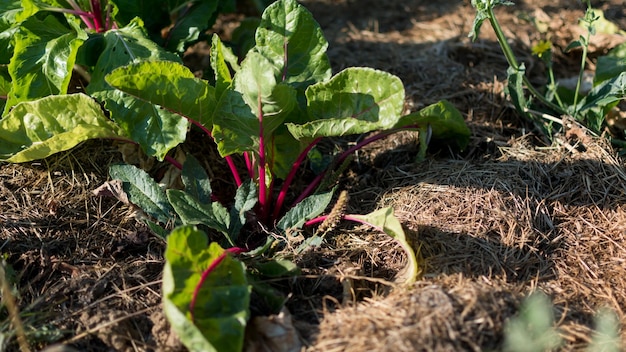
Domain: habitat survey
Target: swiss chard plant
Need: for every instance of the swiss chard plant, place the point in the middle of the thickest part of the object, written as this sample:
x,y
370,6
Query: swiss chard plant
x,y
270,111
547,106
266,114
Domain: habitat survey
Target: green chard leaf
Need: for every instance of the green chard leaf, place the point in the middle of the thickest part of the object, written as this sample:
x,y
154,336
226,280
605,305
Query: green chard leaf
x,y
192,212
156,130
43,59
293,42
256,97
196,181
144,192
5,86
307,209
37,129
356,100
223,78
245,200
445,120
221,310
169,85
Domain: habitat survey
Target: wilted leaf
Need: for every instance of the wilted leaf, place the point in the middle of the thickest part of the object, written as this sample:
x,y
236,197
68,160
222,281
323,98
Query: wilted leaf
x,y
385,221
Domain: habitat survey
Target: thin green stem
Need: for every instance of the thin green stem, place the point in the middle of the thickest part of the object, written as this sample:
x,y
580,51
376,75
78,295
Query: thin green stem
x,y
512,60
589,19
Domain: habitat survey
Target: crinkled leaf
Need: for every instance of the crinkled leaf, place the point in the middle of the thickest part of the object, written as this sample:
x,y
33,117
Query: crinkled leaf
x,y
385,221
37,129
356,100
196,181
221,310
144,192
16,11
445,120
256,97
294,44
43,59
307,209
169,85
12,12
156,130
223,78
192,212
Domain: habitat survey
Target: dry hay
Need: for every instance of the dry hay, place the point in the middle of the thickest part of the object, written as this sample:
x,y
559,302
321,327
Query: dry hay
x,y
490,232
82,264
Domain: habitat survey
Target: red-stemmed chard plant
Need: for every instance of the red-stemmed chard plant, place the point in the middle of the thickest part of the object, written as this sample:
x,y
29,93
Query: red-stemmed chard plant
x,y
281,101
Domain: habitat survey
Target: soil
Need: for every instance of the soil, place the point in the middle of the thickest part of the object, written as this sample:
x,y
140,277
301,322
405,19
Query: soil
x,y
511,214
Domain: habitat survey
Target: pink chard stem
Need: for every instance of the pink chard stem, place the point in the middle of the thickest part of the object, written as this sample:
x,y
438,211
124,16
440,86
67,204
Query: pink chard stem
x,y
311,187
249,164
228,158
289,179
96,10
263,189
208,271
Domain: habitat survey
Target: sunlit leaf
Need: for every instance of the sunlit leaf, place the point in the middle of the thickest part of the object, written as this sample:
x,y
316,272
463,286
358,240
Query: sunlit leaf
x,y
221,311
385,221
43,59
356,100
169,85
37,129
157,130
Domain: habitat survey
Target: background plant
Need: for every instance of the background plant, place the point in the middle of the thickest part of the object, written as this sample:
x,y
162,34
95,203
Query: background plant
x,y
534,330
590,110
